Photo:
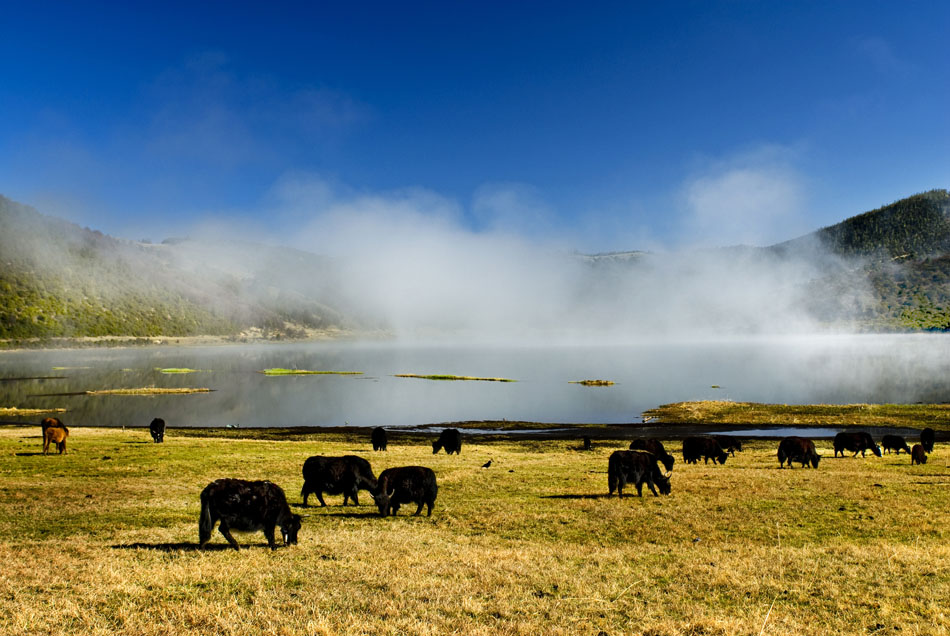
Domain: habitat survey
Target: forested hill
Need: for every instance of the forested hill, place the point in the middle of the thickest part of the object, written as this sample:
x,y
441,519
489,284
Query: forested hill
x,y
60,280
888,269
916,227
903,251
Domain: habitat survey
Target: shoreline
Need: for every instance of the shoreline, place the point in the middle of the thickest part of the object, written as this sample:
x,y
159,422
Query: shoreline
x,y
489,431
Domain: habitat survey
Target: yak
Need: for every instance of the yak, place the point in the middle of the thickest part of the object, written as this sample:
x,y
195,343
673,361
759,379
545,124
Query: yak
x,y
636,467
450,439
54,433
856,443
336,475
894,443
705,447
927,439
379,438
247,506
917,455
157,429
654,446
799,449
729,443
405,484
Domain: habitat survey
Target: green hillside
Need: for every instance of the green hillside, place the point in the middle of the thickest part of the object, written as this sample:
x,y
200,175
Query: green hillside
x,y
905,254
60,280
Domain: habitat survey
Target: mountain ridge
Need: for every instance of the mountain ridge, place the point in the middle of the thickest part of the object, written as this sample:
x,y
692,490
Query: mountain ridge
x,y
58,279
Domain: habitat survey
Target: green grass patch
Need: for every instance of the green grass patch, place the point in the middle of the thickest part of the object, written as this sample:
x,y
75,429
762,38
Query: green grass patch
x,y
717,412
452,377
181,370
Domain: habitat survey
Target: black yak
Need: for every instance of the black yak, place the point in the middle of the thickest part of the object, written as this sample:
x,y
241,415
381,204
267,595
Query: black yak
x,y
406,484
799,449
729,443
917,455
894,443
247,506
654,446
157,429
927,439
450,439
636,467
705,447
379,439
856,443
336,475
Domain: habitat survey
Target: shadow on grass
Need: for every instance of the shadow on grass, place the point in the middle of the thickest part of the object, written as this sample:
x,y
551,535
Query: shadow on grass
x,y
185,547
32,454
585,496
355,515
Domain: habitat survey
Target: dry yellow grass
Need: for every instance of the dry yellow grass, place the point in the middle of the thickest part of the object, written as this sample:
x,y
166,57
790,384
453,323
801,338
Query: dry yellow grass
x,y
102,541
12,411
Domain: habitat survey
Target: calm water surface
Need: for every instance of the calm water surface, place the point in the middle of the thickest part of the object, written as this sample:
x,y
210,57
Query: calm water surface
x,y
825,369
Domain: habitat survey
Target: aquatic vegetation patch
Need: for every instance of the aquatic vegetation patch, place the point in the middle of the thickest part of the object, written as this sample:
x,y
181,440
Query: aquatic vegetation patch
x,y
150,390
12,411
306,372
451,377
593,382
181,370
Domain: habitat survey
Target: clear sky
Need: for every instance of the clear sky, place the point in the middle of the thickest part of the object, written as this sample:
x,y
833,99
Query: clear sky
x,y
597,125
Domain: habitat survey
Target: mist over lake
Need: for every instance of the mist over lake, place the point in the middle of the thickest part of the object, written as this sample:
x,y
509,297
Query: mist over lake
x,y
792,370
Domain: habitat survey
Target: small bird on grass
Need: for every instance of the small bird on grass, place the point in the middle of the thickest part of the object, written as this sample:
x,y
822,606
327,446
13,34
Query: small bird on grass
x,y
486,464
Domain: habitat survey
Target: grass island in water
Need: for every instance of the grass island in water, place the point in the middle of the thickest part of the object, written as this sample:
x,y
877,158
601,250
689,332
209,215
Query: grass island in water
x,y
451,377
307,372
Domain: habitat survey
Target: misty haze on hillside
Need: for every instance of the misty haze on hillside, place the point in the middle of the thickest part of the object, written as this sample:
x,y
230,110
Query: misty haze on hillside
x,y
404,265
407,266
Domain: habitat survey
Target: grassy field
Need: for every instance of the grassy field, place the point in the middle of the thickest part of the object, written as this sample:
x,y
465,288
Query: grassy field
x,y
103,541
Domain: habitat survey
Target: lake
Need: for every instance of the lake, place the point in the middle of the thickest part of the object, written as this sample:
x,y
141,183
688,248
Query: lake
x,y
791,370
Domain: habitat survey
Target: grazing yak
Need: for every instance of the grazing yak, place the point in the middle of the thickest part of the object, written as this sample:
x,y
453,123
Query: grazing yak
x,y
450,439
157,429
406,484
586,443
706,448
927,439
856,443
54,432
336,475
654,446
894,443
917,455
379,439
729,443
799,449
247,506
636,467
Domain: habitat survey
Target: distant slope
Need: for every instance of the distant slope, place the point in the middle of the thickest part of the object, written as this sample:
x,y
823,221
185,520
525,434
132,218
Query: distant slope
x,y
904,252
60,280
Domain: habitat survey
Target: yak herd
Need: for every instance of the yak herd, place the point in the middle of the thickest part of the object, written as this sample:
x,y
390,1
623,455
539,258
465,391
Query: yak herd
x,y
248,506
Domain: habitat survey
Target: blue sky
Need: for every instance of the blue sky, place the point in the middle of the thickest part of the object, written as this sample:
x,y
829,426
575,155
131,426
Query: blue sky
x,y
594,126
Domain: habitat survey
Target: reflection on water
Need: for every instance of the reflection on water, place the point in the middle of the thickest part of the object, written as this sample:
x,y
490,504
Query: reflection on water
x,y
832,370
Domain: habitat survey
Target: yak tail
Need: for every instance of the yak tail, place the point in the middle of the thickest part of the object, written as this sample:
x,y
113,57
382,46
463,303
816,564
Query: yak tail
x,y
205,523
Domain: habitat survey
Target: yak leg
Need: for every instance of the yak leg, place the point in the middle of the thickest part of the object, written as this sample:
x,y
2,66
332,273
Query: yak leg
x,y
429,504
395,508
45,444
639,488
319,495
269,533
419,509
652,489
62,447
224,530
